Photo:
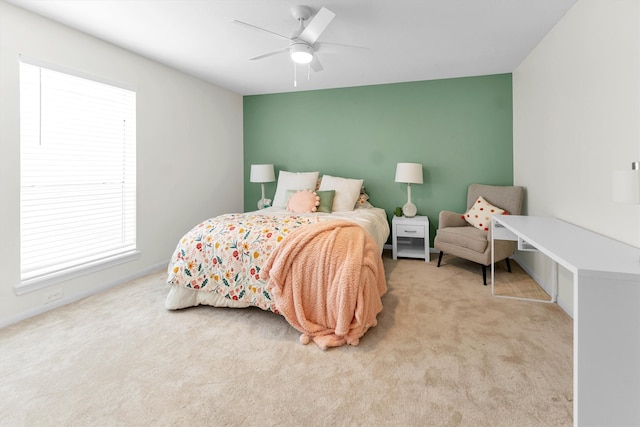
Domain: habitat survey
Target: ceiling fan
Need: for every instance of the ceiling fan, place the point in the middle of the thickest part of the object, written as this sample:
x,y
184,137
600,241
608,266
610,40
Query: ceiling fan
x,y
303,45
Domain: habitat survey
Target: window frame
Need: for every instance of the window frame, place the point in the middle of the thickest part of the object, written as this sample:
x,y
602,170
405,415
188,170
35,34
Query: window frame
x,y
106,259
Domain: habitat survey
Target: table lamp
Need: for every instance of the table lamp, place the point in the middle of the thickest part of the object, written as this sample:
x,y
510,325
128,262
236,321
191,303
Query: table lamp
x,y
411,173
262,174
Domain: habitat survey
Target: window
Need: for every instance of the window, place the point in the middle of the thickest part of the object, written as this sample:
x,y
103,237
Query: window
x,y
77,174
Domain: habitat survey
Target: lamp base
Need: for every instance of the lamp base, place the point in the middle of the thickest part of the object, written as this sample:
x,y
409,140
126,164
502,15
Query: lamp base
x,y
409,210
264,203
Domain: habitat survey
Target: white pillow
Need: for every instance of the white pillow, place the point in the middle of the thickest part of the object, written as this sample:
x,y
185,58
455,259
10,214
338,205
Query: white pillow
x,y
293,181
347,191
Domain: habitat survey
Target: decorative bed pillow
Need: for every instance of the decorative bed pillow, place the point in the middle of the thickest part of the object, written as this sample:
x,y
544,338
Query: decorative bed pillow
x,y
288,196
326,200
363,201
481,212
292,181
303,201
347,191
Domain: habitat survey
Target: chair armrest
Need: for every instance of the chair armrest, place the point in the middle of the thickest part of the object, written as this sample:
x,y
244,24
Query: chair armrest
x,y
451,219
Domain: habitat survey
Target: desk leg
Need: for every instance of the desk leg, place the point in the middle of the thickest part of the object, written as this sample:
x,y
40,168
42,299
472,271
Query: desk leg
x,y
493,264
554,281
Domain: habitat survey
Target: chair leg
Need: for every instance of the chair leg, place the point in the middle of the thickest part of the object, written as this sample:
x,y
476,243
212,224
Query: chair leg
x,y
508,265
484,274
440,258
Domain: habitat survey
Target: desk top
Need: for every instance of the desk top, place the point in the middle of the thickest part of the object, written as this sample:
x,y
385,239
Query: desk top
x,y
575,248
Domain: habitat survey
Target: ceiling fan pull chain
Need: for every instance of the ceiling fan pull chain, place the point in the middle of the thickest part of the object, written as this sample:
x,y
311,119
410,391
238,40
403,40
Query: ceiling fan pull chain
x,y
295,75
308,70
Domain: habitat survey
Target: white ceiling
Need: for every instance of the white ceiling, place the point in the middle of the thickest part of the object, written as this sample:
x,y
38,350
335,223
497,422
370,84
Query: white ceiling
x,y
408,40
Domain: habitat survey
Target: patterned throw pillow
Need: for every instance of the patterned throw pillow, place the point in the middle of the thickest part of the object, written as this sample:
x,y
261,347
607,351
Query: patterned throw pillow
x,y
303,201
480,214
363,200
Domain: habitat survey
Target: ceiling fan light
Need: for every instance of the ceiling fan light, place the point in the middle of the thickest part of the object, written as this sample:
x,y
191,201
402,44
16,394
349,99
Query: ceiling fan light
x,y
301,53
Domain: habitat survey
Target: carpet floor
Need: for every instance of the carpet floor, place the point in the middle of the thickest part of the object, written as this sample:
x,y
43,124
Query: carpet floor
x,y
444,353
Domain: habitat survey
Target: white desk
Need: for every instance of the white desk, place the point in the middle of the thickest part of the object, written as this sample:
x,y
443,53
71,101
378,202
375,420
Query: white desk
x,y
606,324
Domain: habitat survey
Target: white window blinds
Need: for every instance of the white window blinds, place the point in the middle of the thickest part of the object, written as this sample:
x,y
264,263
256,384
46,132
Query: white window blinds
x,y
77,171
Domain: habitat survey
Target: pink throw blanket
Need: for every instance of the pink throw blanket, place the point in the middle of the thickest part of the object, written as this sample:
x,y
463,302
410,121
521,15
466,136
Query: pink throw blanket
x,y
327,280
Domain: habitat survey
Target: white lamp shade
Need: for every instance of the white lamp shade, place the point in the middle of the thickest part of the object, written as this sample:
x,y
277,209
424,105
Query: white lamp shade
x,y
626,186
262,173
410,173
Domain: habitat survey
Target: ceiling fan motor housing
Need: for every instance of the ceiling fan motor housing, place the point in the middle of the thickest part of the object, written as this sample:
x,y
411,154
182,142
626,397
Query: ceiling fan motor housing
x,y
301,13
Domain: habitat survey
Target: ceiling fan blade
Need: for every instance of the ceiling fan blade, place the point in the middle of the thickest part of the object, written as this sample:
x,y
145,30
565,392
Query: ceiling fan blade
x,y
275,52
315,64
326,47
244,24
317,25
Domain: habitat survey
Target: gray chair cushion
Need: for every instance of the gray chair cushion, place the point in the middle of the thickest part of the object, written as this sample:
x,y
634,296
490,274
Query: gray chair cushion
x,y
466,237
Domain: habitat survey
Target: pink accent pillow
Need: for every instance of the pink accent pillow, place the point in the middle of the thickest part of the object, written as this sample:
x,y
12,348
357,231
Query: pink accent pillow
x,y
481,212
303,201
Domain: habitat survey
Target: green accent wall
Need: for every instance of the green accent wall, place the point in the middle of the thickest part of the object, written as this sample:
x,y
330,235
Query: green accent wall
x,y
459,129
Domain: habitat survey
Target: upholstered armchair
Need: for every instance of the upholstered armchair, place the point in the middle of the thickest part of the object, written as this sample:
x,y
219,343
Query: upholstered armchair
x,y
455,236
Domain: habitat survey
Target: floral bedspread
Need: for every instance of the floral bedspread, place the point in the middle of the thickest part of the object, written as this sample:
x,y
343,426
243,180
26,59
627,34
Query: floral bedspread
x,y
225,254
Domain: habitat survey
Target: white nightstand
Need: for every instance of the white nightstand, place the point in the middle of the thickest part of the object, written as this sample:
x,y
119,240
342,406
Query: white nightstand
x,y
411,237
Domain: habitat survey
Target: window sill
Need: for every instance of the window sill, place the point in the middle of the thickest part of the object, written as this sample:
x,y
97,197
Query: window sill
x,y
47,280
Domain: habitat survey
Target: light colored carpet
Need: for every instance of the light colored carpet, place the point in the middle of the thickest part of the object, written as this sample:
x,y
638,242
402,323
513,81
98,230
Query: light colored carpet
x,y
444,353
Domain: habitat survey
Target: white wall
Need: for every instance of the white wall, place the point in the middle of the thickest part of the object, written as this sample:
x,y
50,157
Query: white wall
x,y
189,143
576,115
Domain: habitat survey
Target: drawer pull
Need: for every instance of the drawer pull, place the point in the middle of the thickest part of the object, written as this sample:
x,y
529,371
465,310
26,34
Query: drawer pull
x,y
410,231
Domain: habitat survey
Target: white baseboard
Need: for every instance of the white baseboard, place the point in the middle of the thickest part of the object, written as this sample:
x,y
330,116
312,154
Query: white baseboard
x,y
73,298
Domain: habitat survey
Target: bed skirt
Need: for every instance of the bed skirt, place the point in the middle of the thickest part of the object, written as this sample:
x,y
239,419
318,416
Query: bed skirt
x,y
184,297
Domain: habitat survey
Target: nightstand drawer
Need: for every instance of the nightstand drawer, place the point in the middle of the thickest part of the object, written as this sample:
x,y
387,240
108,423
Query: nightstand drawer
x,y
403,230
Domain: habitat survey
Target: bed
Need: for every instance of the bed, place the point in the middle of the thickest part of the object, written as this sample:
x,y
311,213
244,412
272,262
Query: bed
x,y
328,257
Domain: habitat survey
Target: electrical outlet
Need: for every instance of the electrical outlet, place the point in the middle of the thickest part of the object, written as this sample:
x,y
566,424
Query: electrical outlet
x,y
52,296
